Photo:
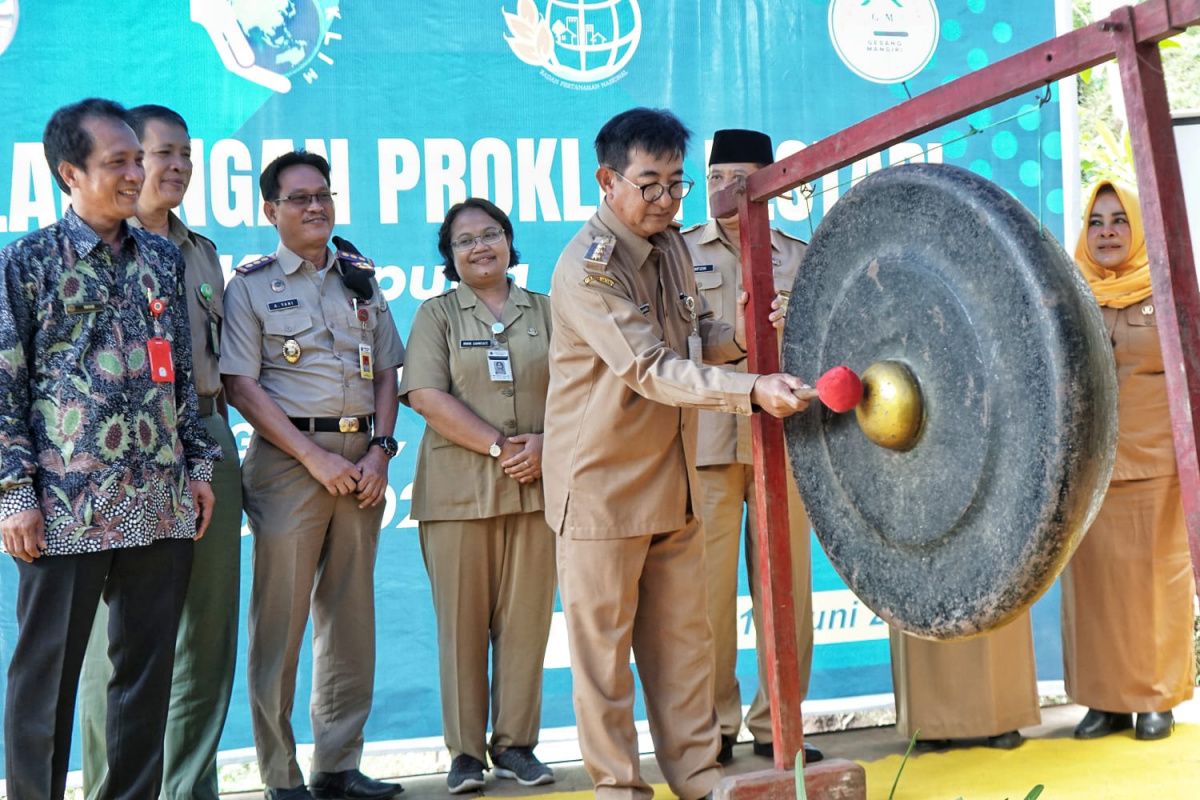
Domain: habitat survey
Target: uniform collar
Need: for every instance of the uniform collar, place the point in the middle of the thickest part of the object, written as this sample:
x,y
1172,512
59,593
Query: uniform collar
x,y
639,249
713,232
289,262
179,234
81,236
467,298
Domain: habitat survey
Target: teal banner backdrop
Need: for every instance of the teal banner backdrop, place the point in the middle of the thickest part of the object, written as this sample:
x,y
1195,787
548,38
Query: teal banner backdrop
x,y
418,105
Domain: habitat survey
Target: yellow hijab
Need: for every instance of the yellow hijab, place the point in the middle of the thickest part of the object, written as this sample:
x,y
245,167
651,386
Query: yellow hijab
x,y
1129,283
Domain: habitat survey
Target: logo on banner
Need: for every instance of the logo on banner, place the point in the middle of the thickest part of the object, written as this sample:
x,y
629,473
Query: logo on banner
x,y
578,43
8,22
269,42
884,41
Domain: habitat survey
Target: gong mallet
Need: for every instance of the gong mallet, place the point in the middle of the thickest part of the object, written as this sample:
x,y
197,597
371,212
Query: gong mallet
x,y
886,401
839,389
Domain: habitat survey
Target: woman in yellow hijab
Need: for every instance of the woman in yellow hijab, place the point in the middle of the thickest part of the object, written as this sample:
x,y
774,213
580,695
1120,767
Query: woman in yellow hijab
x,y
1127,594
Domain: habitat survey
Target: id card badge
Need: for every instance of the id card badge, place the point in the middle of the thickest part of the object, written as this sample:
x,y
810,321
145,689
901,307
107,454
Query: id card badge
x,y
695,347
162,366
366,364
499,367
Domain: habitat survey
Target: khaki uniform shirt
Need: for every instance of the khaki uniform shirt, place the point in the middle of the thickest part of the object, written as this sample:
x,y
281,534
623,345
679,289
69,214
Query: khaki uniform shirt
x,y
448,350
289,298
201,266
1145,447
620,449
725,438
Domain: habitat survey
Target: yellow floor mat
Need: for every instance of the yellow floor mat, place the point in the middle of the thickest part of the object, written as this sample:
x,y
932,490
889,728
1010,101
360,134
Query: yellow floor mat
x,y
1116,766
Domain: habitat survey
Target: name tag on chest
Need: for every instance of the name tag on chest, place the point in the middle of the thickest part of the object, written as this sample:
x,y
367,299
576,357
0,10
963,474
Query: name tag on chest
x,y
282,305
475,343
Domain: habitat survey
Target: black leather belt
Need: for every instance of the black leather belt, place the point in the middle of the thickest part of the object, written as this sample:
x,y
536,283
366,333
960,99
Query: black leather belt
x,y
333,424
208,405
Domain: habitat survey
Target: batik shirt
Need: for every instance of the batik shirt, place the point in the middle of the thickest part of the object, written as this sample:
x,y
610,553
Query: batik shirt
x,y
86,436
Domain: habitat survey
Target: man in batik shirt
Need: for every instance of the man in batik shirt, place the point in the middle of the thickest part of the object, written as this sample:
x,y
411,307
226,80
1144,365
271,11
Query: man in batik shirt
x,y
104,463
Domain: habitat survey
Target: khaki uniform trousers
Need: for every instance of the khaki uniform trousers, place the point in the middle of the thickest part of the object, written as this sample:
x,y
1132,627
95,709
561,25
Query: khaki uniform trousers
x,y
967,689
725,490
205,651
641,593
493,582
312,551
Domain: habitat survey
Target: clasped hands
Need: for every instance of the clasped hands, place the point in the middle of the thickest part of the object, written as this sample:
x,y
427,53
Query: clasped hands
x,y
366,479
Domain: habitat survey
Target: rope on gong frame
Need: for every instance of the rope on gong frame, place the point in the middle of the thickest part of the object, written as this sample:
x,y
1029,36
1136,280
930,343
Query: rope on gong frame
x,y
808,191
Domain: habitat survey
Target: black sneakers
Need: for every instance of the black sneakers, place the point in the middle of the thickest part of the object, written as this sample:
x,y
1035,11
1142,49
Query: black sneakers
x,y
466,774
520,763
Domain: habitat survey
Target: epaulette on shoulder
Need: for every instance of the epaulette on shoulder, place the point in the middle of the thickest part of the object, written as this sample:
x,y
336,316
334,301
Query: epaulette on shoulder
x,y
355,260
255,265
695,227
787,235
204,238
600,251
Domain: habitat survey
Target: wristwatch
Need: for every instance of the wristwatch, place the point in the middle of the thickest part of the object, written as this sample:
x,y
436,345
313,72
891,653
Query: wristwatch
x,y
494,450
388,444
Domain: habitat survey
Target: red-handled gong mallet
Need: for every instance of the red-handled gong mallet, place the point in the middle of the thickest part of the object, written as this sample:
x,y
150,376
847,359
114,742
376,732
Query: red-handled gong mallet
x,y
840,389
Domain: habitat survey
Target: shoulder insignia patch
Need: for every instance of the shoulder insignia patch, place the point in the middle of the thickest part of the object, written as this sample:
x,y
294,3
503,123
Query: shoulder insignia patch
x,y
589,279
787,235
600,250
355,260
255,265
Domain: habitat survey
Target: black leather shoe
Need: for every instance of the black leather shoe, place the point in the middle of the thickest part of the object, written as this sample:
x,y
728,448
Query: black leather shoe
x,y
1010,740
1096,723
725,754
295,793
767,750
1154,725
350,785
932,745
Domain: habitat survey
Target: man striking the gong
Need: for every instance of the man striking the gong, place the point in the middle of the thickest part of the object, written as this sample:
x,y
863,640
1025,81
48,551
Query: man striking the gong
x,y
626,383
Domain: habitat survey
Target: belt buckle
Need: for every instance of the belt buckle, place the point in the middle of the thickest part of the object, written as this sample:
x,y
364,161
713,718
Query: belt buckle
x,y
348,424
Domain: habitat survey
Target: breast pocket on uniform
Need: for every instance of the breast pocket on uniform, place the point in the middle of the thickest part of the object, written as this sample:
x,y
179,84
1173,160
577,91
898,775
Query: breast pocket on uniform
x,y
1143,342
709,283
365,317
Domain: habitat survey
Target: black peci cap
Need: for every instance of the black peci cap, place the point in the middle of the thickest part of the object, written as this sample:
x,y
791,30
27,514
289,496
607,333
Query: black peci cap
x,y
735,145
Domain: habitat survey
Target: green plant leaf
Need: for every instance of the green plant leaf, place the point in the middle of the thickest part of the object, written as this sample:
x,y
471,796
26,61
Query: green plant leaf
x,y
1086,75
1035,792
911,744
1169,44
801,789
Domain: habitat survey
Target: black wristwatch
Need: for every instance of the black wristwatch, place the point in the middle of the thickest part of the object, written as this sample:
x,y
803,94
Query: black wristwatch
x,y
389,445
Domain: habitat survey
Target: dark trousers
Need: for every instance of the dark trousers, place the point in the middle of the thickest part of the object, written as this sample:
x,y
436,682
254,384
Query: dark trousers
x,y
56,603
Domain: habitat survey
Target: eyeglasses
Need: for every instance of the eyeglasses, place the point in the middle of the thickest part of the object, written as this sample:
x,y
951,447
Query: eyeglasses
x,y
651,192
305,200
490,236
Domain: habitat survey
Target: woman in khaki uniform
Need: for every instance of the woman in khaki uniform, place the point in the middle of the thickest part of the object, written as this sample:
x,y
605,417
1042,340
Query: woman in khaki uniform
x,y
1127,593
985,687
477,371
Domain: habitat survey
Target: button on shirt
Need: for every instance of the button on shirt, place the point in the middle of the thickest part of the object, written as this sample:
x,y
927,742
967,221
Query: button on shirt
x,y
201,266
620,448
448,350
725,438
290,299
85,434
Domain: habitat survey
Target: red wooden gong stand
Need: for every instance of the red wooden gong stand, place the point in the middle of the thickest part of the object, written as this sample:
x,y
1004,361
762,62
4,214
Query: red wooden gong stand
x,y
1131,34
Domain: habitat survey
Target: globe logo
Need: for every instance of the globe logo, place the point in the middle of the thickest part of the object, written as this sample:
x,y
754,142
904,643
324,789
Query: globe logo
x,y
8,22
284,35
581,41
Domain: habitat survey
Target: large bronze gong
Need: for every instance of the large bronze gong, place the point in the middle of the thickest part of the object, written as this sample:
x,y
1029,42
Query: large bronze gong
x,y
955,493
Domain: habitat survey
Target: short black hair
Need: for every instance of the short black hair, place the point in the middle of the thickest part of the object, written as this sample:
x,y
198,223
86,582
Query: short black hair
x,y
65,138
487,207
268,182
652,130
140,115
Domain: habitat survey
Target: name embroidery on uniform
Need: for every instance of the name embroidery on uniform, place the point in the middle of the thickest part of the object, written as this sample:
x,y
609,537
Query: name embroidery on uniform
x,y
644,308
84,307
704,268
475,343
283,305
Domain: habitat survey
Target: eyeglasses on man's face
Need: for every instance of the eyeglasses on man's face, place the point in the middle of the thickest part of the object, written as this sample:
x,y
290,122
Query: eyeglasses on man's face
x,y
490,236
652,192
305,200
